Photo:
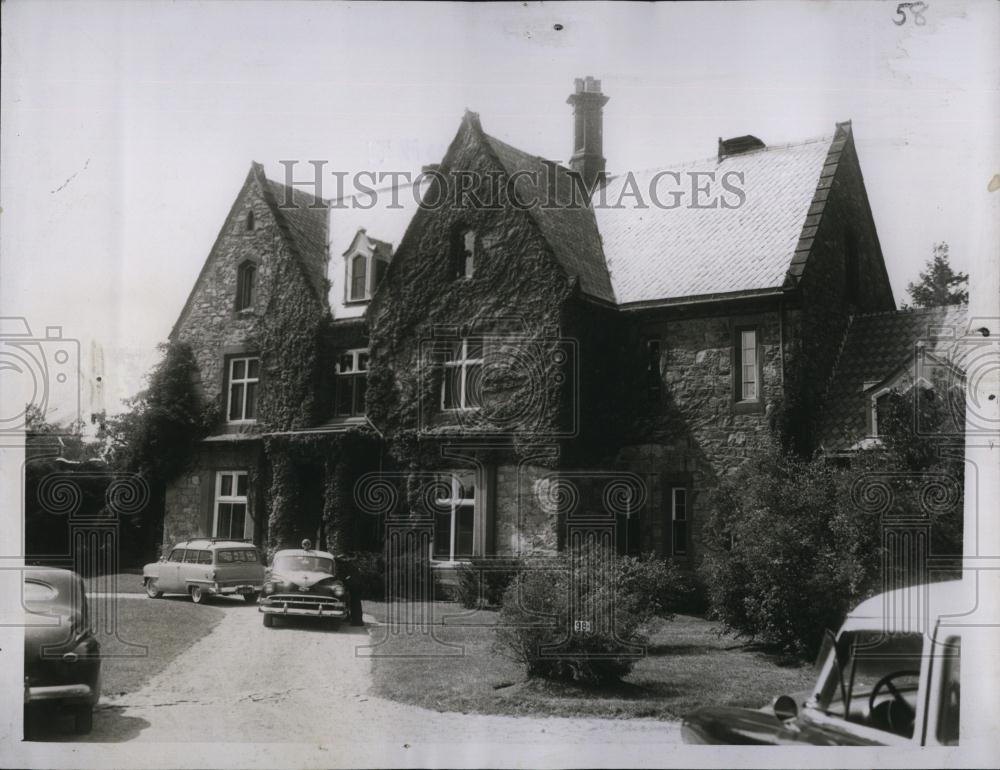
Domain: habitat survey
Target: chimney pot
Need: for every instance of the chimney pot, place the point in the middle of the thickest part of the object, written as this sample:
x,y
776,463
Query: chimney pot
x,y
588,134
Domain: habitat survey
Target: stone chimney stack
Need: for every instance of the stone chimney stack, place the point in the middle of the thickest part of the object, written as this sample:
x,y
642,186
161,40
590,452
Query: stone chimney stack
x,y
588,130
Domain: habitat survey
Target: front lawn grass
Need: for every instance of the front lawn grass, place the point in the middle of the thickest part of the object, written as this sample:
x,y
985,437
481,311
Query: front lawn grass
x,y
120,583
687,664
166,627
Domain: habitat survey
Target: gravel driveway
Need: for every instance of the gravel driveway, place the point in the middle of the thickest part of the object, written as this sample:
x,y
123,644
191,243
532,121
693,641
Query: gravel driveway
x,y
303,683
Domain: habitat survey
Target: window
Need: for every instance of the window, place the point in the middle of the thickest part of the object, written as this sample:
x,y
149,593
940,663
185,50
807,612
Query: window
x,y
881,403
246,278
463,257
231,516
204,557
358,278
747,370
653,379
250,221
951,690
461,386
177,554
244,377
191,557
454,524
678,521
351,381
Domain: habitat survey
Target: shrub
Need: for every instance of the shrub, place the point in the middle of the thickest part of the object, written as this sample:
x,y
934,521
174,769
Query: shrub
x,y
794,552
482,582
367,571
578,617
657,586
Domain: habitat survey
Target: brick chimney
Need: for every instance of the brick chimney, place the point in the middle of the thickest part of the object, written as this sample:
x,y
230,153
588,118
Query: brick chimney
x,y
588,130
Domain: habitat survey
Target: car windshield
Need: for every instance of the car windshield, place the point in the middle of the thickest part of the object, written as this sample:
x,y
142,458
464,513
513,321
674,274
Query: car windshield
x,y
869,659
42,597
303,564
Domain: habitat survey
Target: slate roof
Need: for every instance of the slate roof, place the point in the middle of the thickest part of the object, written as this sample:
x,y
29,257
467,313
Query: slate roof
x,y
662,254
304,225
571,231
304,230
875,347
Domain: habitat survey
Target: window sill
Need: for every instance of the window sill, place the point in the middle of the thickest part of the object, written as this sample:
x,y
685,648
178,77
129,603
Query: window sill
x,y
748,407
355,302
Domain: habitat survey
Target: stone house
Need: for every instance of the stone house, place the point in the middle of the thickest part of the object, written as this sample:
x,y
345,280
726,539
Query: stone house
x,y
535,354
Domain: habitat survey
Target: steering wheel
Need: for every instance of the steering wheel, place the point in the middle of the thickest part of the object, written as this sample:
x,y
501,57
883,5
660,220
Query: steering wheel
x,y
900,714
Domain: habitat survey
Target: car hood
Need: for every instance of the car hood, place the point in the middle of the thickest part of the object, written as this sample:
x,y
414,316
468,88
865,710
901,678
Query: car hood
x,y
739,726
302,579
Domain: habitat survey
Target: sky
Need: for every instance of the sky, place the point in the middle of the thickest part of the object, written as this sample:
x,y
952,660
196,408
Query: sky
x,y
128,128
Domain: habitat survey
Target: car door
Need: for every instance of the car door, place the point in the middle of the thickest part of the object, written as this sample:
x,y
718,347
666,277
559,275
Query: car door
x,y
169,578
190,569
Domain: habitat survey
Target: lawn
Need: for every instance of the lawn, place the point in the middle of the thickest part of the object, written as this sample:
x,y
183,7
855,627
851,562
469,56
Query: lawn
x,y
687,664
120,583
165,627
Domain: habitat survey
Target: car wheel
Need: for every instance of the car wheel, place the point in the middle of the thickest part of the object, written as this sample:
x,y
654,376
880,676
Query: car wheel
x,y
198,595
151,590
83,720
251,598
268,620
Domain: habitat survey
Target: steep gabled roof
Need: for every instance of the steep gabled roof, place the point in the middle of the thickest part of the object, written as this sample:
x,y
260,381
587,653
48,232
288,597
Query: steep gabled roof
x,y
656,253
571,231
303,220
303,226
876,346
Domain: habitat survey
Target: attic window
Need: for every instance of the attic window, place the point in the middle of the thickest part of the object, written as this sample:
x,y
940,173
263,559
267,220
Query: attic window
x,y
246,278
463,256
358,278
250,220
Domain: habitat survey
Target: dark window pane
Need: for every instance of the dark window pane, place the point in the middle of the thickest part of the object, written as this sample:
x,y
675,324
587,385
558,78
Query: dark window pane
x,y
466,485
238,520
473,386
177,554
358,277
451,386
241,485
225,557
236,402
226,487
250,412
223,520
239,369
680,537
442,536
254,368
362,362
465,519
360,386
474,348
204,557
345,364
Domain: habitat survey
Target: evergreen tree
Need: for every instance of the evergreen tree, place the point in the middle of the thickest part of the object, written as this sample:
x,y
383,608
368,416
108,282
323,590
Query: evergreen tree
x,y
939,284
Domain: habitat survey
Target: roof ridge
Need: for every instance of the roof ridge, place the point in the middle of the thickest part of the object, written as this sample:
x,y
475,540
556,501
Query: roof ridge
x,y
715,158
911,310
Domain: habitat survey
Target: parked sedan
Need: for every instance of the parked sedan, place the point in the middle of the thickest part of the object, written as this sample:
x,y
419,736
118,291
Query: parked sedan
x,y
303,582
884,680
62,658
206,567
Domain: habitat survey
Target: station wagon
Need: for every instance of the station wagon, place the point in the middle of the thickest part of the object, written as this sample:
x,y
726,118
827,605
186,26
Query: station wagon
x,y
207,567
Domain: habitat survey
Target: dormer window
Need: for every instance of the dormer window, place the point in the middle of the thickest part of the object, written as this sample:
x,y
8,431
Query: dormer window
x,y
463,248
358,267
367,261
246,279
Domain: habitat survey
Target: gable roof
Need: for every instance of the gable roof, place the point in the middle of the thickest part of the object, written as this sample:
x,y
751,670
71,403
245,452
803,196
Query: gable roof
x,y
302,219
876,346
302,226
655,253
571,231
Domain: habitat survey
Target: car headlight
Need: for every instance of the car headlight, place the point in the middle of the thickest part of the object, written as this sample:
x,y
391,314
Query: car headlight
x,y
338,590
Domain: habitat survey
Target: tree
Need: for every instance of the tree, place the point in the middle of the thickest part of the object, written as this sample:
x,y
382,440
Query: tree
x,y
939,284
